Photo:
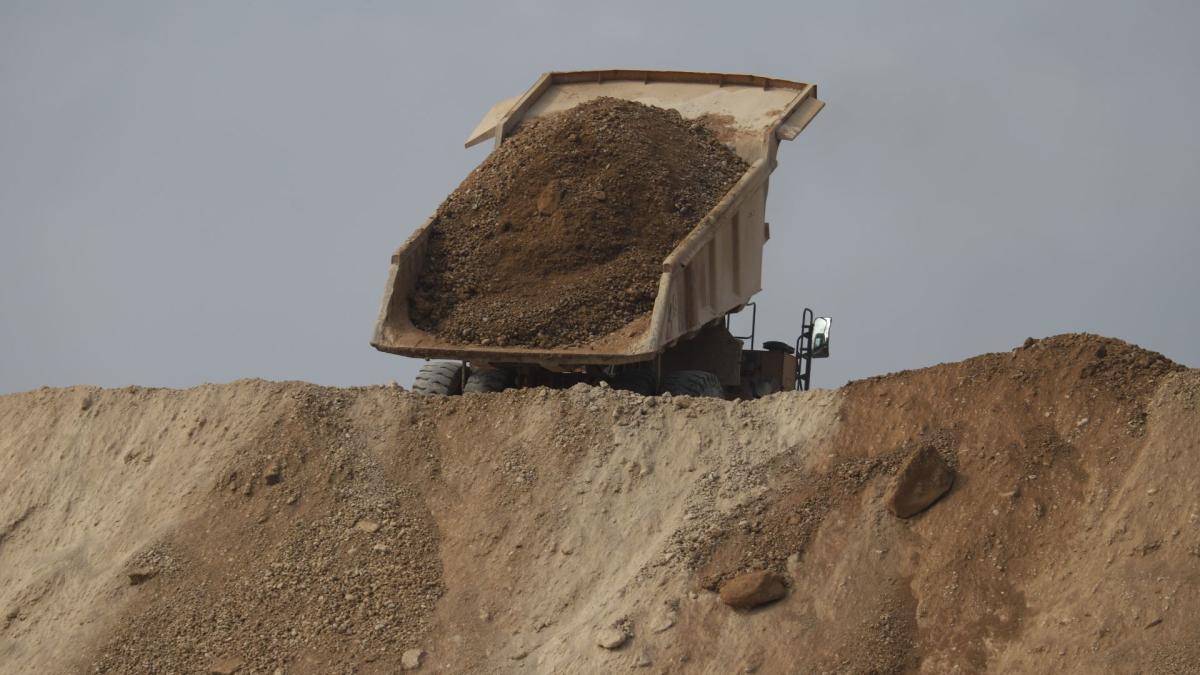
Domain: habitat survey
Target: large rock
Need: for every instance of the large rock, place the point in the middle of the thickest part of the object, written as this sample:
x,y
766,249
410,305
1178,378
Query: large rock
x,y
229,665
923,479
612,638
753,589
141,575
368,526
411,659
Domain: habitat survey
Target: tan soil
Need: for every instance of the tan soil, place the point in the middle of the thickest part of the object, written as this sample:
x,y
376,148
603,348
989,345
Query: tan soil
x,y
558,237
515,530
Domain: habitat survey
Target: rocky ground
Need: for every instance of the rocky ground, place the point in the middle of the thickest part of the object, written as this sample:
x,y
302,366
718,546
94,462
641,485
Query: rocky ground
x,y
1028,511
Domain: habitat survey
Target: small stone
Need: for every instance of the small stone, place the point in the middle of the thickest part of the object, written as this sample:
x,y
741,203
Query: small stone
x,y
411,659
368,526
549,198
273,473
141,575
923,479
753,589
612,638
599,195
663,624
643,661
380,548
226,666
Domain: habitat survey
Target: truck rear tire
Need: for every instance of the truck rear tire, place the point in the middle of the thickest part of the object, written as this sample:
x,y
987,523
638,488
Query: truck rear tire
x,y
700,383
439,378
637,380
488,380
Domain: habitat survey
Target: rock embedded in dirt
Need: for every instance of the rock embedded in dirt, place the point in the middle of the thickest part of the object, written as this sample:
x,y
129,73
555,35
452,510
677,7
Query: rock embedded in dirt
x,y
141,575
753,589
558,236
368,526
272,474
412,658
225,666
612,638
921,481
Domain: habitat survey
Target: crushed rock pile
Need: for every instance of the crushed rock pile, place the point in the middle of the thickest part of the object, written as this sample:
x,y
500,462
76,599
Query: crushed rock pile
x,y
558,237
262,527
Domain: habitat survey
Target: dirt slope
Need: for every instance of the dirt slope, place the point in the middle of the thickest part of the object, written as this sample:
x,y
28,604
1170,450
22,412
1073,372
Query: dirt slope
x,y
291,528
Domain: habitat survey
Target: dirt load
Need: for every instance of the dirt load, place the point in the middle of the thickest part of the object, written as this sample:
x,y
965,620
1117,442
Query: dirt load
x,y
558,237
290,528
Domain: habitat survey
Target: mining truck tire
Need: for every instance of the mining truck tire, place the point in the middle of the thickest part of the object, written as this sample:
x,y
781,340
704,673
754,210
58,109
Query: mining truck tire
x,y
488,380
638,380
699,383
439,378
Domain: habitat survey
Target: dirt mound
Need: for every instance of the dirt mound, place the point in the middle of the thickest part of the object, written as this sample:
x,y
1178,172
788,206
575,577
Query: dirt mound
x,y
255,515
292,528
558,237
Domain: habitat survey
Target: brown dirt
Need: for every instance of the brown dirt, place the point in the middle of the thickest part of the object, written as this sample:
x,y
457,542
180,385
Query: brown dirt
x,y
558,237
516,529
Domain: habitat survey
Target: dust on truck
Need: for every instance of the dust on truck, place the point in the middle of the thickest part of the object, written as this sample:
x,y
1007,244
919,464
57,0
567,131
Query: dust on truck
x,y
684,345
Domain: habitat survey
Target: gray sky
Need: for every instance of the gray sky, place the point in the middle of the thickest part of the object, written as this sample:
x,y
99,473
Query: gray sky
x,y
206,191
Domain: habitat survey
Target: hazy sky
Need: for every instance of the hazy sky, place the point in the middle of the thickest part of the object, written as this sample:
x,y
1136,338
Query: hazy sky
x,y
207,191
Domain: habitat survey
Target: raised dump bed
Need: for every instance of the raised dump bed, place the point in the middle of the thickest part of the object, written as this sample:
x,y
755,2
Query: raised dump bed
x,y
716,269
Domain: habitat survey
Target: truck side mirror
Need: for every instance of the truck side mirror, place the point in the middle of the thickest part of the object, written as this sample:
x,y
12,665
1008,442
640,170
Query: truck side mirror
x,y
820,337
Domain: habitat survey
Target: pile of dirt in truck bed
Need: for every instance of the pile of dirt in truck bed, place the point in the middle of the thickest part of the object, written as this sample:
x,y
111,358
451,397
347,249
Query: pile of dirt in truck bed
x,y
558,237
261,527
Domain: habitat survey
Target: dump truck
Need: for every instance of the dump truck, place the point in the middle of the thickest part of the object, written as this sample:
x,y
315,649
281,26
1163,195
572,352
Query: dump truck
x,y
686,344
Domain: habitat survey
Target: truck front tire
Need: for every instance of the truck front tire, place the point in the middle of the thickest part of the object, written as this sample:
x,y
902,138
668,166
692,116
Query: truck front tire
x,y
439,378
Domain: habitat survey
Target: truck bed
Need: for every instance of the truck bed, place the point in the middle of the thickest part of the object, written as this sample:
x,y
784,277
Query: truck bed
x,y
715,269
